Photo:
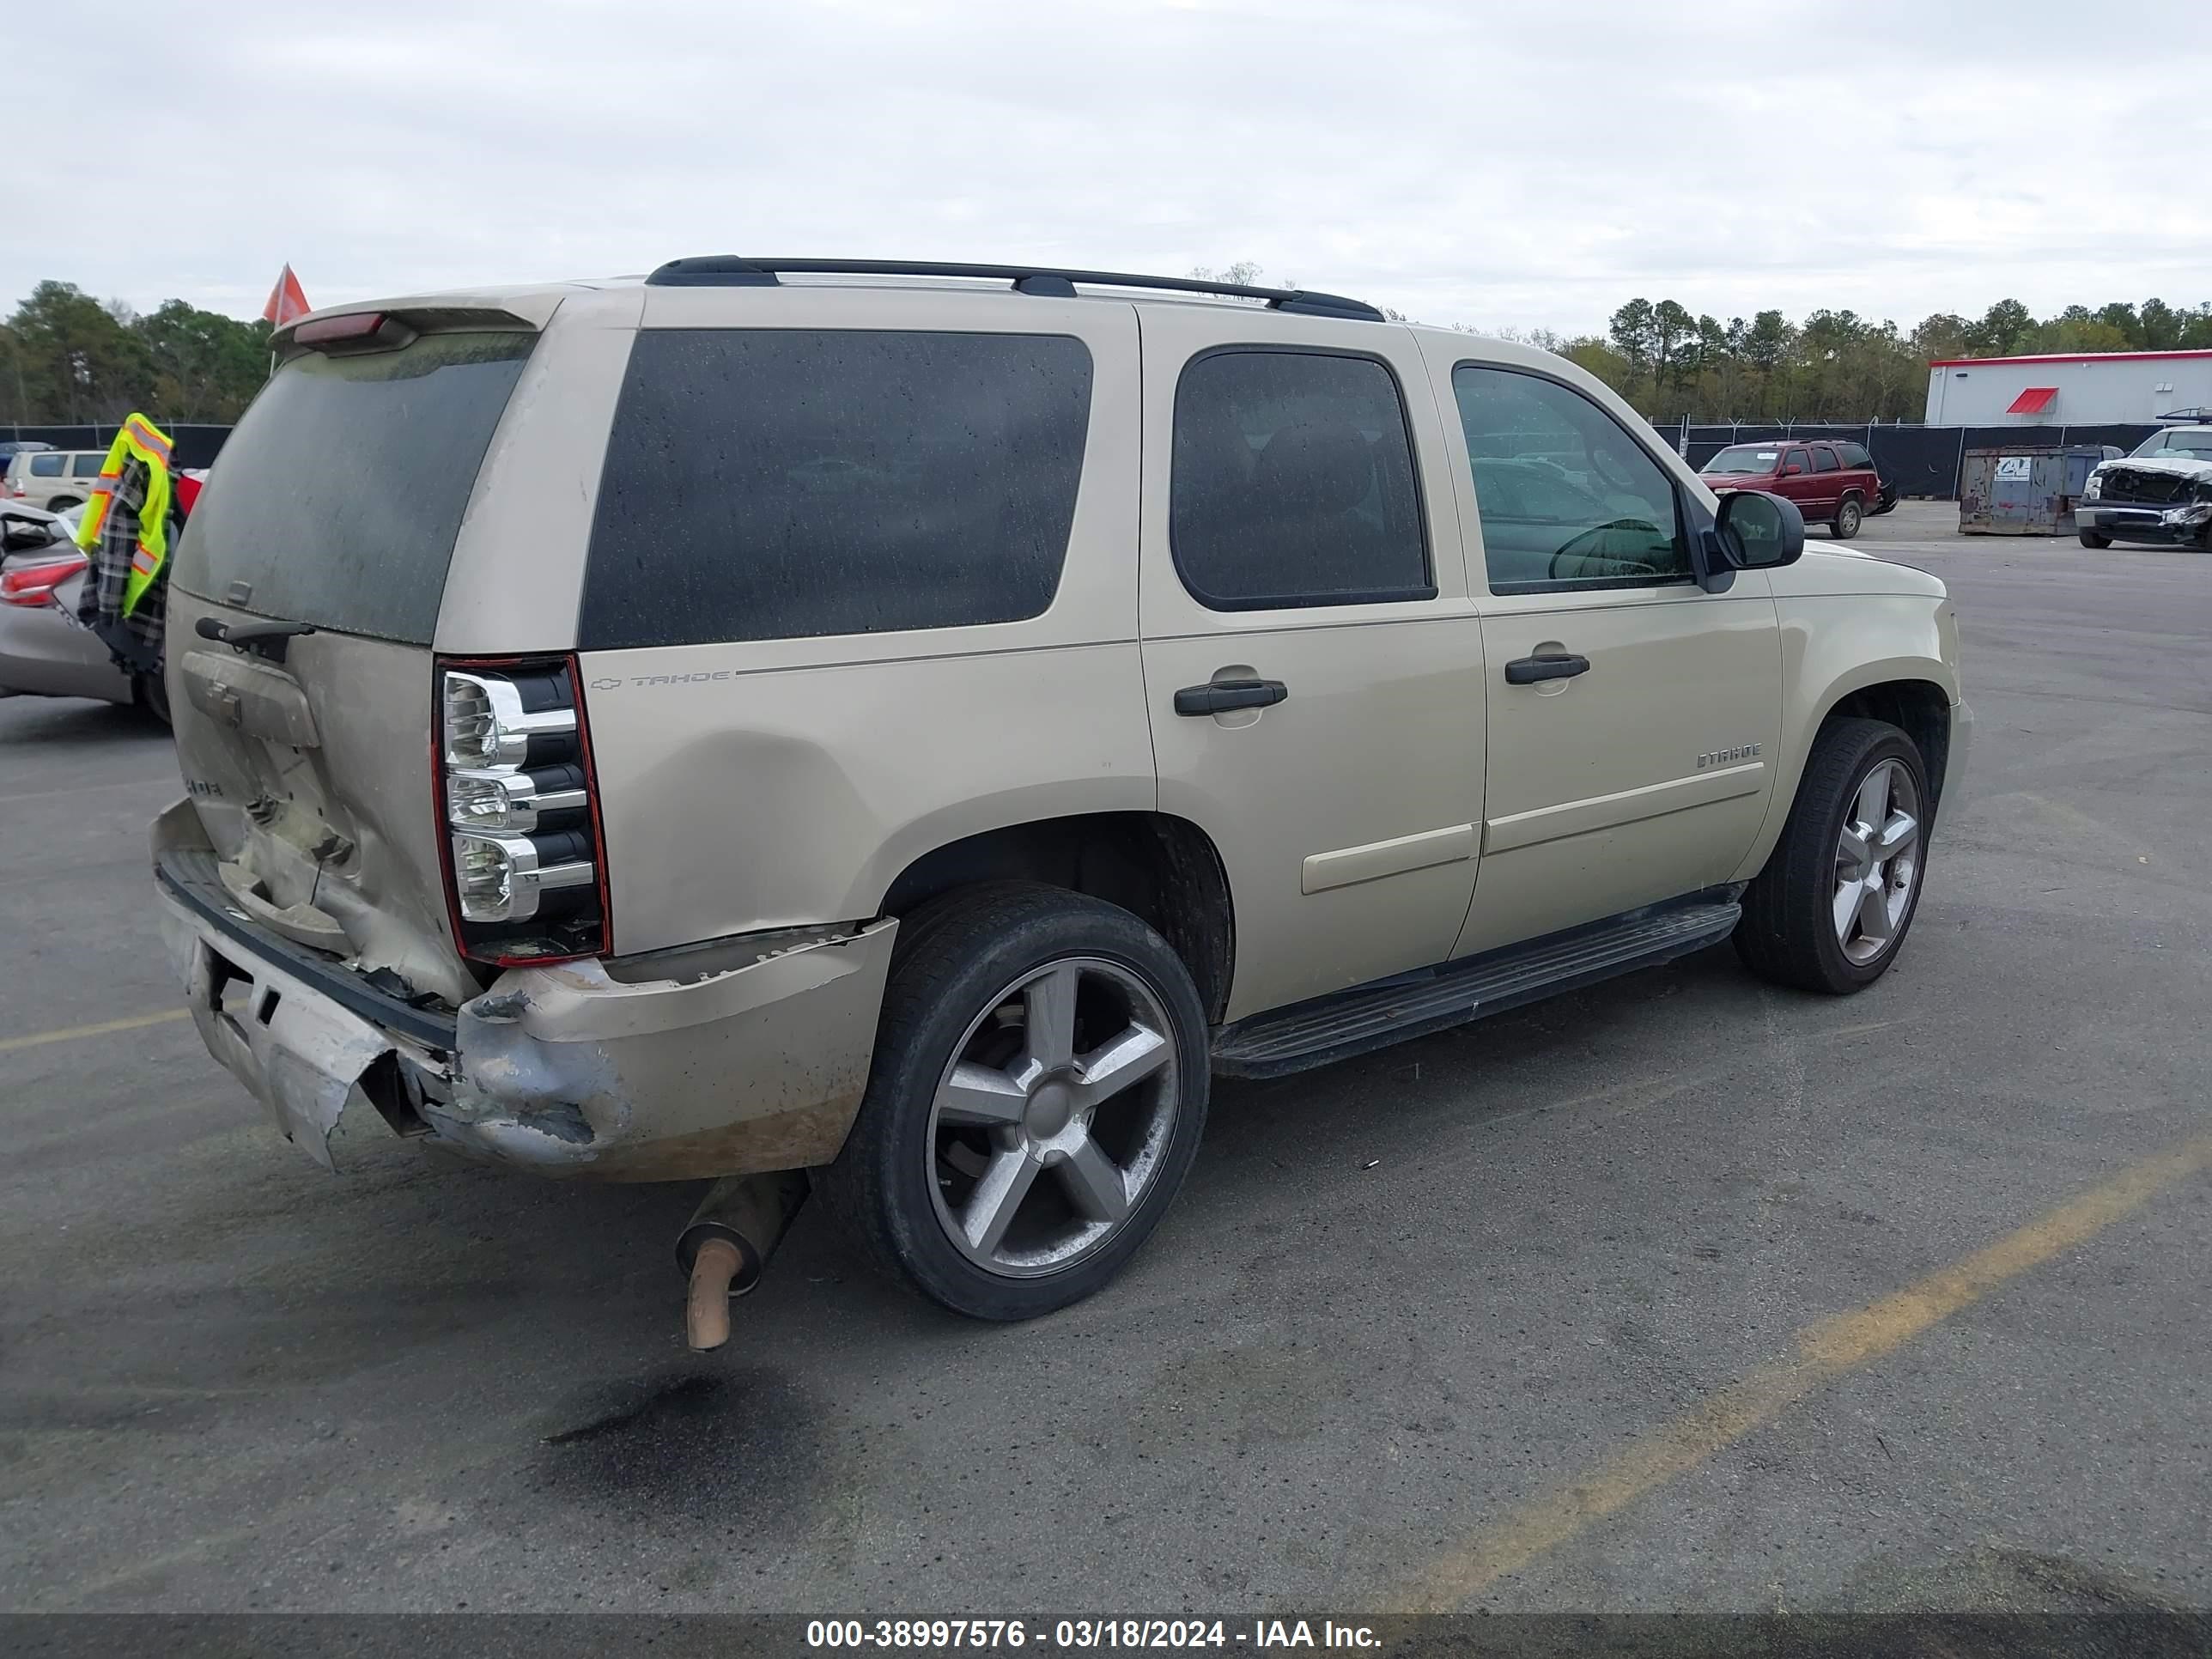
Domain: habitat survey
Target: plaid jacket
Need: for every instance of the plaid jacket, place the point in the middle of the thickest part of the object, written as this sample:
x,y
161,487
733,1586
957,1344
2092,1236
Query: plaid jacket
x,y
135,641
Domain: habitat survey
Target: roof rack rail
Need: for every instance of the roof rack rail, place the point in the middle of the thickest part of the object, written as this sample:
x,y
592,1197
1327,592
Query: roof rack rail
x,y
730,271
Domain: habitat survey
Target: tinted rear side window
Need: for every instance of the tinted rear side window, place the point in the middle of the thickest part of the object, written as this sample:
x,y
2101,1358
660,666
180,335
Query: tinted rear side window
x,y
48,466
1824,459
1293,484
338,497
785,483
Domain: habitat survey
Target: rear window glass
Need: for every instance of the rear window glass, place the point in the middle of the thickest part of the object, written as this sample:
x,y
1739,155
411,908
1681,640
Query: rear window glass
x,y
784,484
338,497
1293,483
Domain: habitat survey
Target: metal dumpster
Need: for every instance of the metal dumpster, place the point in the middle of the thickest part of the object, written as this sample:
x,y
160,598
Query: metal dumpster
x,y
2027,491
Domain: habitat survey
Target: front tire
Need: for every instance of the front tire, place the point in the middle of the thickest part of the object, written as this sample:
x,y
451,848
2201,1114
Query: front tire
x,y
1848,516
1833,906
2091,539
1038,1092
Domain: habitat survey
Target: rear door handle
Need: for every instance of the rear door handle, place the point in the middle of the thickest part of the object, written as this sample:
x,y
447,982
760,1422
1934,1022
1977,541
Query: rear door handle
x,y
1219,697
1527,670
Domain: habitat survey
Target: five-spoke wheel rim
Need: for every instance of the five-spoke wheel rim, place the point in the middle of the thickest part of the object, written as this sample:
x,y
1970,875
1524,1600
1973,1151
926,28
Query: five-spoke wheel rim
x,y
1053,1118
1877,862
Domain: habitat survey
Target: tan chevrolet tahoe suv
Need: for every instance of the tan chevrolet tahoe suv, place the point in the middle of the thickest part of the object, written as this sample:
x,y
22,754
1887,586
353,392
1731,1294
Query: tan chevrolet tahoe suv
x,y
899,731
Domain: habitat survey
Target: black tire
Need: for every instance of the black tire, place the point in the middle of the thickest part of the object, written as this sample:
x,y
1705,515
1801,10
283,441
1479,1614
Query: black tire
x,y
1851,512
1788,934
62,503
2091,539
151,695
955,958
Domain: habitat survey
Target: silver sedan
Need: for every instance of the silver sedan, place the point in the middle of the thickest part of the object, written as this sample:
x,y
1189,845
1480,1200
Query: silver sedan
x,y
45,651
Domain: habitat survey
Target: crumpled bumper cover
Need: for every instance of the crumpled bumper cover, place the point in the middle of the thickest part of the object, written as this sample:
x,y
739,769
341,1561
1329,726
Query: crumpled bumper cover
x,y
746,1055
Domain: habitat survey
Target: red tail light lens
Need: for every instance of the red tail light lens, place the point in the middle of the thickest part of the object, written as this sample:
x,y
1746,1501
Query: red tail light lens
x,y
363,331
525,880
32,585
358,326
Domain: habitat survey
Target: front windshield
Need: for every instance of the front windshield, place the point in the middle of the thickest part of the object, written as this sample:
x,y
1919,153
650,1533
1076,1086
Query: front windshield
x,y
2192,443
1743,458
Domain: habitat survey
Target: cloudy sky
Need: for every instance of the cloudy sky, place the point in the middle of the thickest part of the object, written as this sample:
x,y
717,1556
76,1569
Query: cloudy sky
x,y
1505,166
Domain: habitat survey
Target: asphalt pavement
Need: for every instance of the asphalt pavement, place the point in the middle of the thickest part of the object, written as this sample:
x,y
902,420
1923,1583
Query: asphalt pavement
x,y
1679,1294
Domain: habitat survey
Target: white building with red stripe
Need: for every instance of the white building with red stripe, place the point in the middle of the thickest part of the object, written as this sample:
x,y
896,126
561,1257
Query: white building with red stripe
x,y
2073,388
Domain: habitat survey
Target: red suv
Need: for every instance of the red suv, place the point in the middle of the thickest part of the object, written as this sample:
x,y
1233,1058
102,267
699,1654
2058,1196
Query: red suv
x,y
1831,481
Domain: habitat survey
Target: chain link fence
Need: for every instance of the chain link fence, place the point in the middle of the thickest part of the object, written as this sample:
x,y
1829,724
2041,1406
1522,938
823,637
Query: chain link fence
x,y
1915,460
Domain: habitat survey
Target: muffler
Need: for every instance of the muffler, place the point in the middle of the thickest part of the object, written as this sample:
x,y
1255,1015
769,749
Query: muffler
x,y
731,1236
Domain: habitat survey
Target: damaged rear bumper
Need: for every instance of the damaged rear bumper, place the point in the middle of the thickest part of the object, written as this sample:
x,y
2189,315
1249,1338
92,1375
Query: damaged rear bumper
x,y
744,1056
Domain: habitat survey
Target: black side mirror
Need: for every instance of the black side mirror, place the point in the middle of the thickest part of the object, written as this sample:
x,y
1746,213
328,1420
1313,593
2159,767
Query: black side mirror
x,y
21,535
1758,532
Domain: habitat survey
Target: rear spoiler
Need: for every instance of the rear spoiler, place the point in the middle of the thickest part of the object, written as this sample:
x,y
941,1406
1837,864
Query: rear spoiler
x,y
345,330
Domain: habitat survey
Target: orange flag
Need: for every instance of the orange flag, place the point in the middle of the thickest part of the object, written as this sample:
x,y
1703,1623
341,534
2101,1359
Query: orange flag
x,y
287,300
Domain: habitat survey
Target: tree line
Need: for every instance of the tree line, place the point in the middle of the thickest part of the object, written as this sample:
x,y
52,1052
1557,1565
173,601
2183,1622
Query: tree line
x,y
67,359
1838,365
1835,366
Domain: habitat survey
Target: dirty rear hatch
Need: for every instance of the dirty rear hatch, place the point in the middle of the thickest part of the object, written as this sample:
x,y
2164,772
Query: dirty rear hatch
x,y
335,504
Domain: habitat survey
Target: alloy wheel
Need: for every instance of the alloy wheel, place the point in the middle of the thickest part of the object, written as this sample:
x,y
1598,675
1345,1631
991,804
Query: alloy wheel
x,y
1052,1120
1877,862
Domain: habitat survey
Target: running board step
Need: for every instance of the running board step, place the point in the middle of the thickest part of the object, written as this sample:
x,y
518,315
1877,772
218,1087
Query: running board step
x,y
1374,1016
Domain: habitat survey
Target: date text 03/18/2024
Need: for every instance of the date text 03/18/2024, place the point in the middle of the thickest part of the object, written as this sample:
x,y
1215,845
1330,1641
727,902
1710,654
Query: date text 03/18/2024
x,y
1084,1633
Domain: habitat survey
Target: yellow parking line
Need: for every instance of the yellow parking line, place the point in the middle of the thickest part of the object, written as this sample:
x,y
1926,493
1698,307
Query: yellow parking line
x,y
71,1033
1825,1350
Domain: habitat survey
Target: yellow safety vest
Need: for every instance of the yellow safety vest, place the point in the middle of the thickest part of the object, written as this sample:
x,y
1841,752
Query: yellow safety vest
x,y
142,441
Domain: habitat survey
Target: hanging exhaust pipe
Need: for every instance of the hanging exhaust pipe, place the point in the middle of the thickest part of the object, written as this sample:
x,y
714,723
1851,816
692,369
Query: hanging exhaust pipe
x,y
731,1236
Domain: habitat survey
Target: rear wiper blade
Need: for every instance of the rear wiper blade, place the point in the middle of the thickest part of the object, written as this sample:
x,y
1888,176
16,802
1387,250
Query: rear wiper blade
x,y
268,638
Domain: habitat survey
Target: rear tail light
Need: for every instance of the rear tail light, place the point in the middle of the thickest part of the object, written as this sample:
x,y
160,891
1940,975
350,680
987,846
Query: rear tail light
x,y
361,331
527,879
32,585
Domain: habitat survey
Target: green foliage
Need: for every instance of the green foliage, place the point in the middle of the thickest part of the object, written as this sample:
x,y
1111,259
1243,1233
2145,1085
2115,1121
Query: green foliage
x,y
66,359
1837,365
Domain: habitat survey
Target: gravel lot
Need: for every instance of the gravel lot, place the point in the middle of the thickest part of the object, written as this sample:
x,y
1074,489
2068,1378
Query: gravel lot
x,y
1405,1304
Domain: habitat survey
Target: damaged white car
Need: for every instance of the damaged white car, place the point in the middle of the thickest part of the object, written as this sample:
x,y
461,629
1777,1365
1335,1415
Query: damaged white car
x,y
2161,493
